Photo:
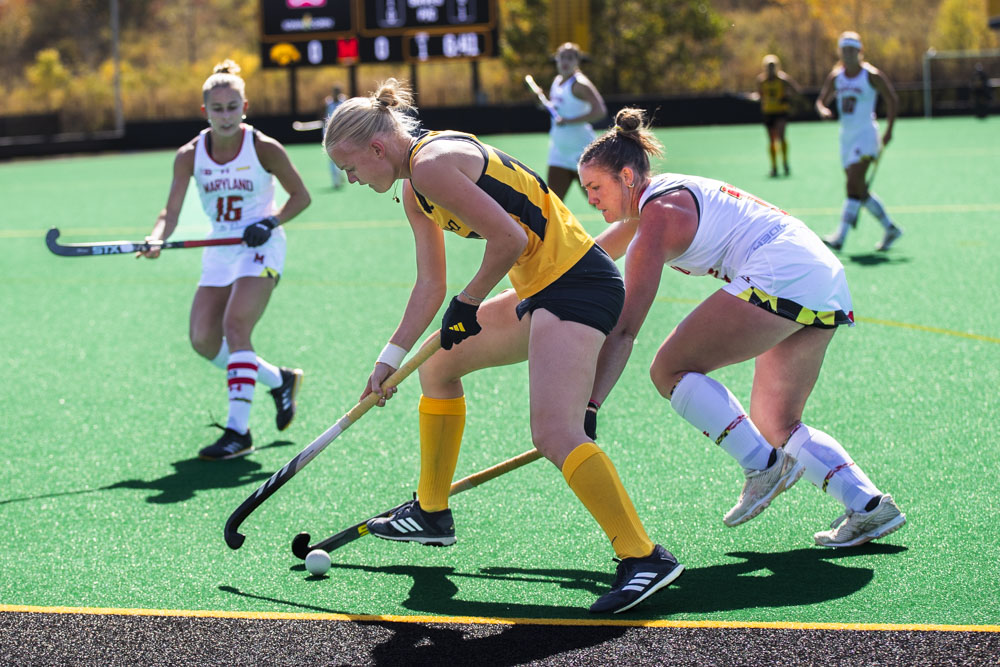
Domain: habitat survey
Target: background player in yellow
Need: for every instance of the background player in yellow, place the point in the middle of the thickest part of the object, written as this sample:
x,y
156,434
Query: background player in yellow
x,y
775,90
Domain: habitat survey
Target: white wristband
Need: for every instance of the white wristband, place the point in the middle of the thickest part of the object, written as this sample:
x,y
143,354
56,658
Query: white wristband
x,y
392,355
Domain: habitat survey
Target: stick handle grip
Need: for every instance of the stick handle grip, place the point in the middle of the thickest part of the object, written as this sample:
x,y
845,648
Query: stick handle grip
x,y
423,354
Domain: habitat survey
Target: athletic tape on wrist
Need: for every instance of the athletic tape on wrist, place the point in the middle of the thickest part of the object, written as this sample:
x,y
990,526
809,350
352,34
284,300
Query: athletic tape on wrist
x,y
392,355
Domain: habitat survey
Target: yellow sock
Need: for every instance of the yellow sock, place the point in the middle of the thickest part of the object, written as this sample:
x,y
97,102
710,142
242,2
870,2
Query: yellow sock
x,y
442,421
594,480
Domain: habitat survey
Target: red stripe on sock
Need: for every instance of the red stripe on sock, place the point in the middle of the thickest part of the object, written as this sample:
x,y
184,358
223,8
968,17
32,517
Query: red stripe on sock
x,y
242,364
241,380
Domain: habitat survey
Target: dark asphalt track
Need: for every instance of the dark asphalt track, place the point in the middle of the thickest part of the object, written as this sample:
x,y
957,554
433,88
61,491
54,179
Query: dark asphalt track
x,y
85,639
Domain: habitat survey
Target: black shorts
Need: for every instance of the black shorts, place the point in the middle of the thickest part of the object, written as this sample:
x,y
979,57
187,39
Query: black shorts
x,y
592,292
771,119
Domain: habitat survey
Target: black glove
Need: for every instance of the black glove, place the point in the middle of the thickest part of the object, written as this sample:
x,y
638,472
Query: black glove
x,y
259,232
459,323
590,420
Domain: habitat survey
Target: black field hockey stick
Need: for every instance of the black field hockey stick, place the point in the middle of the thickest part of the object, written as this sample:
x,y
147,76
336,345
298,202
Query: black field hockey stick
x,y
235,539
301,546
123,247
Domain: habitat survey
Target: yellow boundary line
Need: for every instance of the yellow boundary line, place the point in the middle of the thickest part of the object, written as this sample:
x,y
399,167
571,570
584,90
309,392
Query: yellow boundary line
x,y
477,620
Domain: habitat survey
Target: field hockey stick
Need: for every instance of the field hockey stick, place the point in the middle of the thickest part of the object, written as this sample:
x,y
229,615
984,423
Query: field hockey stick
x,y
123,247
235,539
540,94
301,546
871,175
308,125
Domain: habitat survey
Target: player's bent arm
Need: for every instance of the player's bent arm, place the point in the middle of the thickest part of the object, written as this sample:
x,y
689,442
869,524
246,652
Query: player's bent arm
x,y
431,287
166,221
643,269
826,94
426,297
584,89
616,237
446,175
885,88
274,158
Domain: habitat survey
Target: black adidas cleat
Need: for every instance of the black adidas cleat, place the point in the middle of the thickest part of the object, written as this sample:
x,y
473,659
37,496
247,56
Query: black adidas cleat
x,y
230,445
284,396
638,578
411,524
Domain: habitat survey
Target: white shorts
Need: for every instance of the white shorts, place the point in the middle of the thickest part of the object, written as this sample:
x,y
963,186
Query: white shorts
x,y
797,277
859,143
222,265
566,144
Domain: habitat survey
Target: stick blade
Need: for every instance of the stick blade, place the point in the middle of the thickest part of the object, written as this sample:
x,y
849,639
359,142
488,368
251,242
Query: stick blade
x,y
51,240
300,545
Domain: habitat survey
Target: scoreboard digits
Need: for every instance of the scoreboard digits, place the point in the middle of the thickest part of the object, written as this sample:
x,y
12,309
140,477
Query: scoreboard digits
x,y
332,32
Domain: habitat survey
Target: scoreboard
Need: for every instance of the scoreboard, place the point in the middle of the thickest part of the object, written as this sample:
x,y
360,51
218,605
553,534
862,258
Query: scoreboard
x,y
347,32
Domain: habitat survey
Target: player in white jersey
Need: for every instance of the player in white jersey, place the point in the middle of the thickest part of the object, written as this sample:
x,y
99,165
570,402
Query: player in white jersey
x,y
577,104
857,86
784,297
234,167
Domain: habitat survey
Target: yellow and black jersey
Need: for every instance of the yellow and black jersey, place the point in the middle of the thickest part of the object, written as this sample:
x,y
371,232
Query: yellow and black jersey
x,y
556,239
774,96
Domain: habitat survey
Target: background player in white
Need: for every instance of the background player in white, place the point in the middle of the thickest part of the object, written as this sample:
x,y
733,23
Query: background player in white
x,y
234,167
857,85
577,104
784,297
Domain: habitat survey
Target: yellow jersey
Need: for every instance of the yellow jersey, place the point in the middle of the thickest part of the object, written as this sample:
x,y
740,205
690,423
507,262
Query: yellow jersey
x,y
774,96
556,239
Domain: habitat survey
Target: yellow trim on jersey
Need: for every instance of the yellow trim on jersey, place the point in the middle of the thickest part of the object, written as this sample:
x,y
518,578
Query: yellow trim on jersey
x,y
556,239
773,96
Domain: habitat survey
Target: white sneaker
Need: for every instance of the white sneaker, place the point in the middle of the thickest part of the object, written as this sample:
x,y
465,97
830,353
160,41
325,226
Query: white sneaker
x,y
854,528
890,237
762,486
834,242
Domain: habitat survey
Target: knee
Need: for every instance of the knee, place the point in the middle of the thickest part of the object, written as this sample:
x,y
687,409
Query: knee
x,y
664,378
204,343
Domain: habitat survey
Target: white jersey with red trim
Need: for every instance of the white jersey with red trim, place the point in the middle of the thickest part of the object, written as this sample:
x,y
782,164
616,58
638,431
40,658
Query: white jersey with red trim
x,y
566,142
856,99
731,224
236,193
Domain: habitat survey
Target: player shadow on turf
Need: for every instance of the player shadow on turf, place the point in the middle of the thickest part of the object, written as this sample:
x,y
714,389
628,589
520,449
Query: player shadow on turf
x,y
794,578
439,644
877,259
783,579
193,475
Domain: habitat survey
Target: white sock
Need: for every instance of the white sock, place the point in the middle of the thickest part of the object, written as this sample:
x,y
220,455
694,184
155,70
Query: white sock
x,y
241,375
713,409
267,373
849,216
830,468
874,206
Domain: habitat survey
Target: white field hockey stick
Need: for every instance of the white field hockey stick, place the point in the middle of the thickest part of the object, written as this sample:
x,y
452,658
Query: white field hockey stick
x,y
301,546
540,94
233,538
308,125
